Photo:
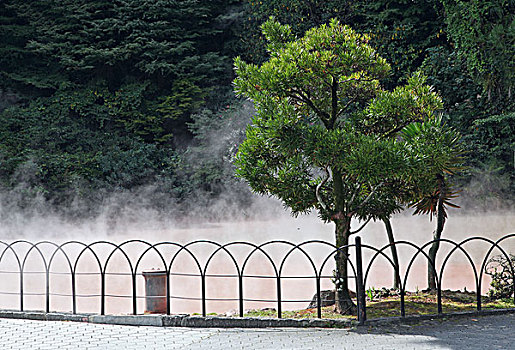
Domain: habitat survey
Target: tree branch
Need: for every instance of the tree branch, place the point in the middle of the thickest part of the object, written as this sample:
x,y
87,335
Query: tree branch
x,y
361,228
399,126
351,101
299,96
366,200
356,191
319,187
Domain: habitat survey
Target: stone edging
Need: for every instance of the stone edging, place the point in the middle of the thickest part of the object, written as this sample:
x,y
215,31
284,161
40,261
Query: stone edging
x,y
233,322
181,320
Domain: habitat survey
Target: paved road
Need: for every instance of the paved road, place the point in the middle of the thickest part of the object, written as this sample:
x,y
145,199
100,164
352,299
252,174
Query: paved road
x,y
487,332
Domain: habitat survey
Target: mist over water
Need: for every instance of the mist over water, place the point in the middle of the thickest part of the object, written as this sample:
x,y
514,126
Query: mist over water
x,y
129,216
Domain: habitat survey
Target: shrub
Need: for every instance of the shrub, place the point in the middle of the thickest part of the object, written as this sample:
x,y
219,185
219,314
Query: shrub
x,y
501,271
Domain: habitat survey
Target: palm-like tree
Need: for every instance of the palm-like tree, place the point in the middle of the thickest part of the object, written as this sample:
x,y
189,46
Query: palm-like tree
x,y
435,191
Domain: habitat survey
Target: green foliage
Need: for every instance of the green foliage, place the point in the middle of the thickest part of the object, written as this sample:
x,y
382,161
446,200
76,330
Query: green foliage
x,y
495,138
489,144
103,90
400,30
299,14
444,158
175,109
461,95
484,35
501,271
325,133
176,50
21,69
101,37
389,112
79,136
141,73
416,35
493,145
440,144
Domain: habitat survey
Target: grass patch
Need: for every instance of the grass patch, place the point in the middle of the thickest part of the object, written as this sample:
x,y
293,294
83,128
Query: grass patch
x,y
327,312
416,303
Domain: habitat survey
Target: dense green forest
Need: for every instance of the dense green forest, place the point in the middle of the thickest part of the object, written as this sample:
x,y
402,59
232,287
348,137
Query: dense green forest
x,y
102,97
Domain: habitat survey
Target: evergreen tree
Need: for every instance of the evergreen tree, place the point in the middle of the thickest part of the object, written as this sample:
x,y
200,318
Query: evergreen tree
x,y
326,135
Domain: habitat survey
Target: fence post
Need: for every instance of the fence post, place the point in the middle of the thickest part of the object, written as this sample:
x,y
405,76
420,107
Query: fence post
x,y
47,291
319,298
240,293
168,298
203,291
403,305
134,300
74,294
21,290
478,297
360,288
102,293
279,306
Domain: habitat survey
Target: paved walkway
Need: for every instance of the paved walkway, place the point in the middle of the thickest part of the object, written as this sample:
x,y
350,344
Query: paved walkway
x,y
487,332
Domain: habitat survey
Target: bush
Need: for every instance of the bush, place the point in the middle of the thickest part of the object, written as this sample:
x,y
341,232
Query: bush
x,y
500,269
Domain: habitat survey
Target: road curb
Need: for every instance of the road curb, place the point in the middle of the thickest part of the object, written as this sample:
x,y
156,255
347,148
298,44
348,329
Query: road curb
x,y
128,320
234,322
42,316
256,322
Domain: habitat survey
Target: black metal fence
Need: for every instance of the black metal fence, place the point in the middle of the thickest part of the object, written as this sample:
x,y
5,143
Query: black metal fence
x,y
21,251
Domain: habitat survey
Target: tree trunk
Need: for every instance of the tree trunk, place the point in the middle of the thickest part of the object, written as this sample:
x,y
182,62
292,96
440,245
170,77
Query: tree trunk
x,y
393,249
437,234
344,304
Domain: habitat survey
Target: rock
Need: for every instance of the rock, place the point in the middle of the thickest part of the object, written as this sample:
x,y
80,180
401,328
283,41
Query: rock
x,y
268,309
326,299
232,313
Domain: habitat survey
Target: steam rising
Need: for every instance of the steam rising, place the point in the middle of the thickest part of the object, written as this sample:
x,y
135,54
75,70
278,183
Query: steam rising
x,y
153,212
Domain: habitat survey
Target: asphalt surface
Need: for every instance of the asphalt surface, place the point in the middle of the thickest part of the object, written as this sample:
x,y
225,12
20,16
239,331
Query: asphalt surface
x,y
485,332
